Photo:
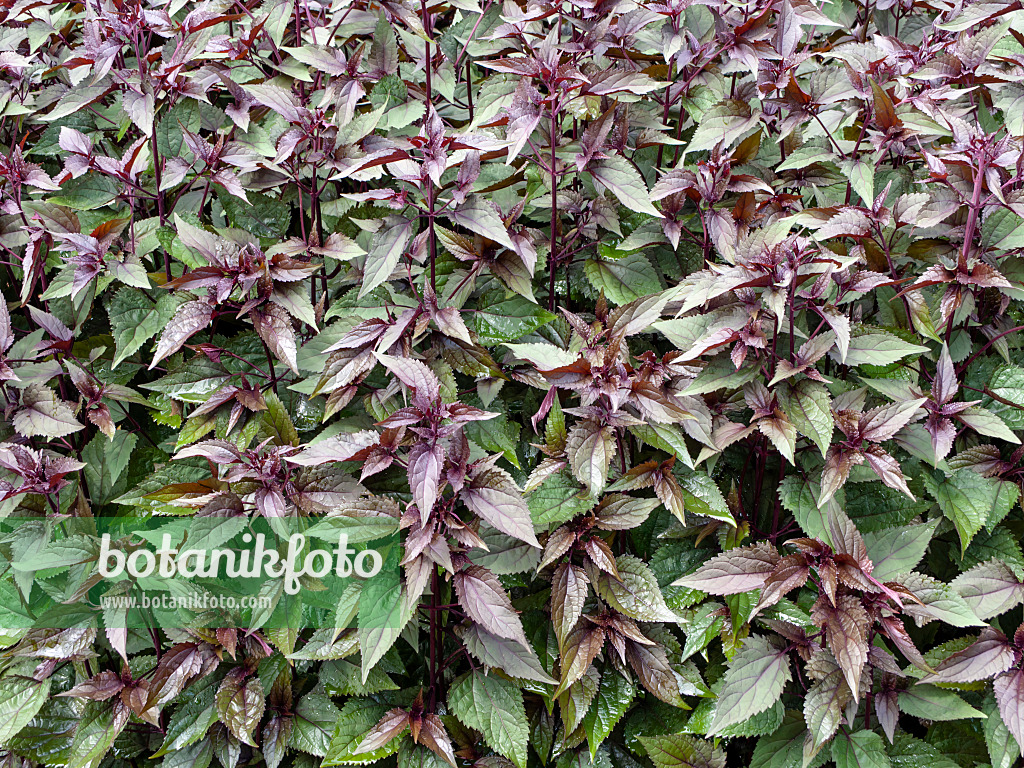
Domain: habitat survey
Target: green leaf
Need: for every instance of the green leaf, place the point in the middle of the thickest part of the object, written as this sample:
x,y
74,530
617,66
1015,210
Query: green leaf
x,y
636,592
590,448
758,725
665,437
509,656
930,702
476,215
198,755
877,347
315,718
190,721
418,756
276,423
494,707
704,626
86,193
1000,543
703,497
508,320
350,726
575,700
614,696
862,178
1008,384
135,319
386,250
191,382
941,601
908,752
985,422
21,698
263,215
558,499
169,136
682,751
50,734
990,589
544,357
800,498
625,182
808,406
1003,749
967,499
177,472
898,550
623,280
1003,229
863,749
75,100
824,702
383,614
753,682
784,747
105,462
720,373
95,735
505,555
497,435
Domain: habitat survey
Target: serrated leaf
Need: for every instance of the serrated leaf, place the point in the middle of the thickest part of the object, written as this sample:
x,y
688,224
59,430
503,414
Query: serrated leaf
x,y
824,702
808,405
966,498
739,570
494,496
623,280
940,601
898,550
863,749
752,683
485,601
343,733
614,696
240,704
625,182
386,250
495,708
1003,749
508,320
590,448
879,348
636,592
476,215
135,319
933,703
682,751
44,414
21,698
99,726
989,589
190,317
784,747
1009,691
507,655
558,499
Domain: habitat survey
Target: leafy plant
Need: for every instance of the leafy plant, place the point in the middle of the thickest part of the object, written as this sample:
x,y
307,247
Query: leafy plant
x,y
678,342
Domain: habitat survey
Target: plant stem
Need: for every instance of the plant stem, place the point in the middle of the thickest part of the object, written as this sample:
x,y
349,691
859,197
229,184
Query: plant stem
x,y
160,198
553,246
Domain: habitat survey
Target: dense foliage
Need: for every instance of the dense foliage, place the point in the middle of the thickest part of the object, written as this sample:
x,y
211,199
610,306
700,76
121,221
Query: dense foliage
x,y
679,342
